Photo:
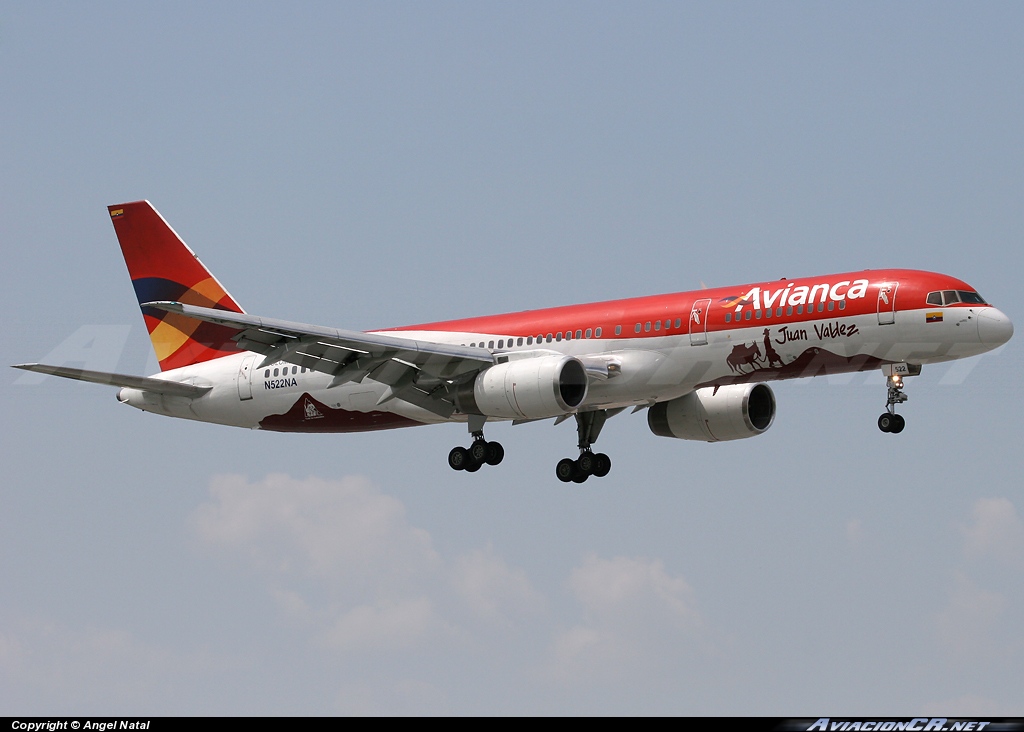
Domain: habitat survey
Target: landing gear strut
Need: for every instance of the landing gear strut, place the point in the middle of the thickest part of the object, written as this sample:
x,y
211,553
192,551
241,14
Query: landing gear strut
x,y
890,421
481,452
588,427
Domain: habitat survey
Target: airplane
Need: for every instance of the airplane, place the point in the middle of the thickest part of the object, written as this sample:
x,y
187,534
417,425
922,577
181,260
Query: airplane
x,y
698,362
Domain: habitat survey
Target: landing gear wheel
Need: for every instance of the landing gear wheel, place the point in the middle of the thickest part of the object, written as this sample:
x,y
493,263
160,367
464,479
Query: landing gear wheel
x,y
473,467
458,458
493,453
580,476
885,422
602,465
566,469
898,423
478,451
585,463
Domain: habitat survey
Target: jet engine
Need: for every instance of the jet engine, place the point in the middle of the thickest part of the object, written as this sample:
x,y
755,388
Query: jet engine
x,y
528,388
715,415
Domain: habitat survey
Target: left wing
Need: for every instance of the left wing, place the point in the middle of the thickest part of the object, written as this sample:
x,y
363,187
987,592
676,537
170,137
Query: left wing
x,y
415,371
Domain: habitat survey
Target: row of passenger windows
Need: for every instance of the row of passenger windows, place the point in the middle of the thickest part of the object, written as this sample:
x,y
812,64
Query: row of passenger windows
x,y
528,341
799,309
951,297
284,371
657,325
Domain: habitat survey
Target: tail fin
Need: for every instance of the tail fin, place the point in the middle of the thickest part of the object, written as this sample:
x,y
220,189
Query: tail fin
x,y
162,267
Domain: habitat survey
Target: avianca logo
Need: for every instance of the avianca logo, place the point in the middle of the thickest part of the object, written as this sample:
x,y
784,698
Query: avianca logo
x,y
790,295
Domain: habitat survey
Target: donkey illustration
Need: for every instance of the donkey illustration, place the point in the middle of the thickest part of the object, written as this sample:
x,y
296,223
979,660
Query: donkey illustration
x,y
770,354
744,354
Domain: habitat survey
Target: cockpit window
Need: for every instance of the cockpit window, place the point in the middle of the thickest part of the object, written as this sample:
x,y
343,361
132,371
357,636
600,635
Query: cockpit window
x,y
952,297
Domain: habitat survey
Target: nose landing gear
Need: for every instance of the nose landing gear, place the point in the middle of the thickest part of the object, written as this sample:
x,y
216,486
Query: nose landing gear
x,y
890,421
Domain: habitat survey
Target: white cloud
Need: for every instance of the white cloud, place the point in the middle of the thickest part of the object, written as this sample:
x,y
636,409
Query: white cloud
x,y
854,532
491,589
635,616
996,531
967,624
329,529
384,626
48,667
343,558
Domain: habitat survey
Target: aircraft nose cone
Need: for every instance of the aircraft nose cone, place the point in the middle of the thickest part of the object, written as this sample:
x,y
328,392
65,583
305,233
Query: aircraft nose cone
x,y
994,328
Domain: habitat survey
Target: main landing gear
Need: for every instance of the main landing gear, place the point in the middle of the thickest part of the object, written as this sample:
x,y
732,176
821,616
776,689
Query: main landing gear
x,y
480,453
588,427
890,421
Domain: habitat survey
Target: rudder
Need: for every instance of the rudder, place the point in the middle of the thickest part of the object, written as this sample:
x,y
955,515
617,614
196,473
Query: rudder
x,y
162,267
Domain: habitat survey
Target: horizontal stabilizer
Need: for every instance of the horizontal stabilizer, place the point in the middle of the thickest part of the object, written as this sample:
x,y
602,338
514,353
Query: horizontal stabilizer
x,y
157,386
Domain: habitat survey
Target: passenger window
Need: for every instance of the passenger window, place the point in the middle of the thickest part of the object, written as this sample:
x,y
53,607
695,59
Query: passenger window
x,y
597,332
501,343
647,327
618,330
679,322
789,310
728,317
950,297
831,305
579,334
529,341
295,370
549,338
757,314
768,312
778,312
657,325
637,328
799,309
266,374
490,344
519,341
558,337
934,298
589,333
842,304
276,372
748,315
821,307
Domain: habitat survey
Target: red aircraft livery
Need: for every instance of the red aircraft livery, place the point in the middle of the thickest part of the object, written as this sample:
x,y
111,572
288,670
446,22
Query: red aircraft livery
x,y
697,361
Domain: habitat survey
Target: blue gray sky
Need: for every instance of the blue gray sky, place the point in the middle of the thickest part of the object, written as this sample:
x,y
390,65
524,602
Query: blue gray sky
x,y
374,164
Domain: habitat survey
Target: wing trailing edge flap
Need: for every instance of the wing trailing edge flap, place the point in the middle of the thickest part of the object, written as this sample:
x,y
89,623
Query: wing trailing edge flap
x,y
144,383
399,363
330,350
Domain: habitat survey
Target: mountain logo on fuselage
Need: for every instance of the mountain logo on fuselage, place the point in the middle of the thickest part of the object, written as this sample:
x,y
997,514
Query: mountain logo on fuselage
x,y
310,410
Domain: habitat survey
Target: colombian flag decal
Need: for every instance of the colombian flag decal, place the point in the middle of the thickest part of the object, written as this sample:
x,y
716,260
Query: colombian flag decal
x,y
116,212
933,317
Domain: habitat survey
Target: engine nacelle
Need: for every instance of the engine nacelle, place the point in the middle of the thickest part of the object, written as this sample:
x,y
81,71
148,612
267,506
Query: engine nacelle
x,y
528,388
734,412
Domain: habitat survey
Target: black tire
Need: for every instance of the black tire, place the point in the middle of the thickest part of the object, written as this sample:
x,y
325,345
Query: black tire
x,y
566,469
473,466
602,465
494,453
478,451
898,423
586,463
458,458
885,422
580,476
